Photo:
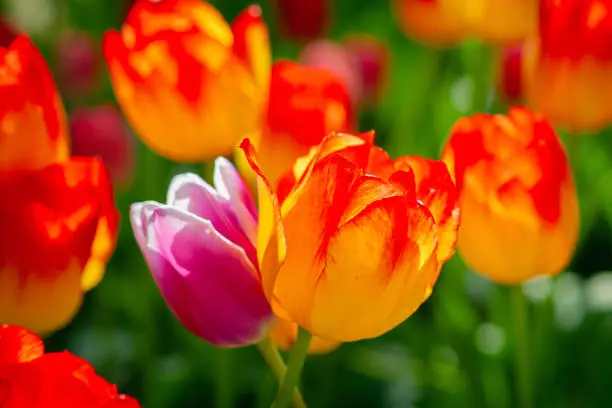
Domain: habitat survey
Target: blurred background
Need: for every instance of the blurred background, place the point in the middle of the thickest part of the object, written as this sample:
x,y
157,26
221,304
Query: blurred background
x,y
456,350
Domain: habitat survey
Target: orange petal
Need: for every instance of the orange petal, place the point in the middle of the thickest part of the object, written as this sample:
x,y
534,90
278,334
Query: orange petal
x,y
271,242
283,335
436,190
33,130
55,214
18,345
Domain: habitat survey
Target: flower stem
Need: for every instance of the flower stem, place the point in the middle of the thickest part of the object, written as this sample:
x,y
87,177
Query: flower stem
x,y
296,363
522,350
275,361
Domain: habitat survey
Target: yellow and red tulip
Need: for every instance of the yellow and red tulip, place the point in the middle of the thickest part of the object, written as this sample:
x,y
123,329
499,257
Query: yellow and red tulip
x,y
181,74
569,63
354,233
60,225
519,209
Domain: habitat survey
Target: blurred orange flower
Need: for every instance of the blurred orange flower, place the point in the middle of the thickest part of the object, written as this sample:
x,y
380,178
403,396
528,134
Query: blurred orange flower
x,y
59,227
569,64
191,85
30,378
427,21
496,21
358,234
519,209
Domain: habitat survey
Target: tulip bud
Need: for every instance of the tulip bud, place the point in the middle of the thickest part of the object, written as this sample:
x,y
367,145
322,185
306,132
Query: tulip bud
x,y
199,248
568,64
365,237
190,85
101,132
303,19
519,209
78,64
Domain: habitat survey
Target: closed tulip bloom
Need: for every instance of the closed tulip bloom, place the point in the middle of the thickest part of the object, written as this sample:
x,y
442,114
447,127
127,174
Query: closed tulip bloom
x,y
305,105
31,378
427,21
365,237
496,21
569,63
372,58
199,248
518,202
78,64
61,208
190,85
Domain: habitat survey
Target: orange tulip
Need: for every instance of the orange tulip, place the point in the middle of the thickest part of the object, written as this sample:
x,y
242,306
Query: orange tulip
x,y
497,21
191,85
59,227
365,237
519,210
305,105
569,64
428,21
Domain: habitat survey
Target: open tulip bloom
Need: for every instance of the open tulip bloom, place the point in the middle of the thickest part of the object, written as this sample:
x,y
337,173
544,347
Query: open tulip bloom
x,y
347,246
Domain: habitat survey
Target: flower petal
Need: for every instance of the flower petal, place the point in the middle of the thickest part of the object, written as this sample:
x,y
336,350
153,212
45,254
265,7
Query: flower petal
x,y
190,193
18,345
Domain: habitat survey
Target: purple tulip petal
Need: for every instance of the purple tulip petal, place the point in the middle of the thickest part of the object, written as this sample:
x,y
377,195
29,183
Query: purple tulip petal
x,y
230,186
208,282
188,192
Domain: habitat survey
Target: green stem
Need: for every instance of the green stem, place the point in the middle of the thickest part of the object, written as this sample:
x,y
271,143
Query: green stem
x,y
224,381
296,363
522,349
275,361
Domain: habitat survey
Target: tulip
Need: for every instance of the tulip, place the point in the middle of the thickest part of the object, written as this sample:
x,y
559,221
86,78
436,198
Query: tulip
x,y
364,237
78,64
518,202
510,73
29,377
428,21
496,21
303,19
305,105
190,85
61,208
569,63
100,131
199,248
